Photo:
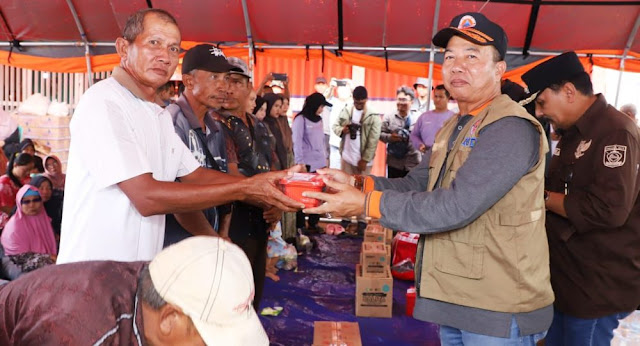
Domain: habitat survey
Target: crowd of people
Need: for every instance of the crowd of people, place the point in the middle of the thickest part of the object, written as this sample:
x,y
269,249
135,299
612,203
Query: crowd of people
x,y
510,247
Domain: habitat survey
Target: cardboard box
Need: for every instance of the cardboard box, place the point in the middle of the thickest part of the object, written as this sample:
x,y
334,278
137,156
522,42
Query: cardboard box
x,y
374,233
374,259
336,334
389,236
46,133
29,120
374,296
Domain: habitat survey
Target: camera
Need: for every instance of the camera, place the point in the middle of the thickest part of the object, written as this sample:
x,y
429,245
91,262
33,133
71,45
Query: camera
x,y
353,130
280,76
341,82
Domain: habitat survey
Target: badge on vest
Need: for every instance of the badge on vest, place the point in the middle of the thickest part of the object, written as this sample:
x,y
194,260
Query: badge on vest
x,y
469,142
614,155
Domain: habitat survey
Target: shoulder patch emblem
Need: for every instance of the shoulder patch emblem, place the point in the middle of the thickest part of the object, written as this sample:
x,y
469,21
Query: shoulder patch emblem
x,y
614,155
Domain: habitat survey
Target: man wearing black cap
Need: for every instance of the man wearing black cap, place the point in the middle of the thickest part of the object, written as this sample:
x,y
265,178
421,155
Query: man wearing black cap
x,y
249,224
204,75
482,264
593,210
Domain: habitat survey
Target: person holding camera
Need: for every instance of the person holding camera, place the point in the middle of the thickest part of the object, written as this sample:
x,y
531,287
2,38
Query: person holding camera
x,y
402,156
359,129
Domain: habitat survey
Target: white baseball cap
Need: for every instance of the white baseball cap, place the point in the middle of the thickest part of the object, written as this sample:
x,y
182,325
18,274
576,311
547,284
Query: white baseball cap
x,y
211,280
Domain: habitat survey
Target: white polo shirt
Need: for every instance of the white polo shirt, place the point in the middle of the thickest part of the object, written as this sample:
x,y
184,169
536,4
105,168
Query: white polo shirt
x,y
116,136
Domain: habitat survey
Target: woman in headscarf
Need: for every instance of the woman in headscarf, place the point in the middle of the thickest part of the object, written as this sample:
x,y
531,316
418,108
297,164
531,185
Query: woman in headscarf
x,y
265,140
18,170
27,146
53,171
287,135
52,204
28,236
288,219
308,145
8,126
274,104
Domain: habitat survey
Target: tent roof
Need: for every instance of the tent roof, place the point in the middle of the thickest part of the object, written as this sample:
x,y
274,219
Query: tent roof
x,y
560,25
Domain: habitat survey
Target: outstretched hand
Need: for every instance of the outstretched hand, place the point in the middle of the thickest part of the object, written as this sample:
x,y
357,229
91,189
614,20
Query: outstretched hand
x,y
346,201
262,190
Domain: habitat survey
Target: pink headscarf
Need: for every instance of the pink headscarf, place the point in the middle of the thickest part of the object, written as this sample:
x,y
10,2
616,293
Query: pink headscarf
x,y
56,179
24,233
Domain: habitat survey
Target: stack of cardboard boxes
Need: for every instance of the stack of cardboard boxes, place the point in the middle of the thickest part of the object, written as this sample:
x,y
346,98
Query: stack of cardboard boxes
x,y
374,283
49,131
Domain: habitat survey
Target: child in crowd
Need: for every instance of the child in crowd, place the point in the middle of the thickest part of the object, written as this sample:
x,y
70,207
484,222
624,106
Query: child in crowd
x,y
281,255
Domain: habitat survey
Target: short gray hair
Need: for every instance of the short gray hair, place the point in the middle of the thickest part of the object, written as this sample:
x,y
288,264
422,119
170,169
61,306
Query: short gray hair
x,y
147,292
135,22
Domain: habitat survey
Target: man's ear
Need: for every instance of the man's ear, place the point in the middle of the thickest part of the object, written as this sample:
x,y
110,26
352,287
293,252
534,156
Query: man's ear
x,y
122,47
501,68
569,90
169,316
187,80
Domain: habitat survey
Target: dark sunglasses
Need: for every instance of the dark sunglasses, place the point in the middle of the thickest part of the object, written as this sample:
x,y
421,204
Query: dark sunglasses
x,y
29,201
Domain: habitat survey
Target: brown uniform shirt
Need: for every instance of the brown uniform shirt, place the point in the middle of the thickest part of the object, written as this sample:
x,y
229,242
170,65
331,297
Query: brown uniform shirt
x,y
84,303
595,252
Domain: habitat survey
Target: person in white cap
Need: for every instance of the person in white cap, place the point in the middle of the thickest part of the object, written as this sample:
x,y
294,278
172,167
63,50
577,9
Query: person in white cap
x,y
195,292
420,104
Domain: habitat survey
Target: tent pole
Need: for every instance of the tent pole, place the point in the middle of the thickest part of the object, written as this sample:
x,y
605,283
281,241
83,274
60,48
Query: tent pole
x,y
432,53
328,47
632,36
247,24
83,35
384,23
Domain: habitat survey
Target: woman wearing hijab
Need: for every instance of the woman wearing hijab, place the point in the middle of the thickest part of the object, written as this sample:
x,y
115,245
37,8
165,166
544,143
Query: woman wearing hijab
x,y
52,204
8,126
287,134
274,104
18,170
53,171
27,146
265,140
308,144
288,219
28,236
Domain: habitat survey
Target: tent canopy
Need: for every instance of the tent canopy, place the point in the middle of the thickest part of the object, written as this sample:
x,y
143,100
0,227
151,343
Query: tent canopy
x,y
380,34
559,25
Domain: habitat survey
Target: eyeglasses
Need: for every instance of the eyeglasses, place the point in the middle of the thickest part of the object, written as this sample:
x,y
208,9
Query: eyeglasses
x,y
29,201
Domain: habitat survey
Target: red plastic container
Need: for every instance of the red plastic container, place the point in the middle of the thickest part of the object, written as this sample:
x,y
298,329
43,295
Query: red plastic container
x,y
295,185
411,301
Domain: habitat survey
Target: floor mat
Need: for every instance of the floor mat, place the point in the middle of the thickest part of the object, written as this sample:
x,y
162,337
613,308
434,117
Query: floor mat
x,y
323,289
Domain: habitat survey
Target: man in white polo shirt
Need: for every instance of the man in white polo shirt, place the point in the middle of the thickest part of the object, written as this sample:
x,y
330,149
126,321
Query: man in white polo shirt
x,y
125,156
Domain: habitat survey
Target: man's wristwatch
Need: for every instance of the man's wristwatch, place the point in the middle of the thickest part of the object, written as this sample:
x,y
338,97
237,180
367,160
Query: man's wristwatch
x,y
546,195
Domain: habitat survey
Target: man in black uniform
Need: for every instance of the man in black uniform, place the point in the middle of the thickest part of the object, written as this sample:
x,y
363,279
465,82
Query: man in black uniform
x,y
593,211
